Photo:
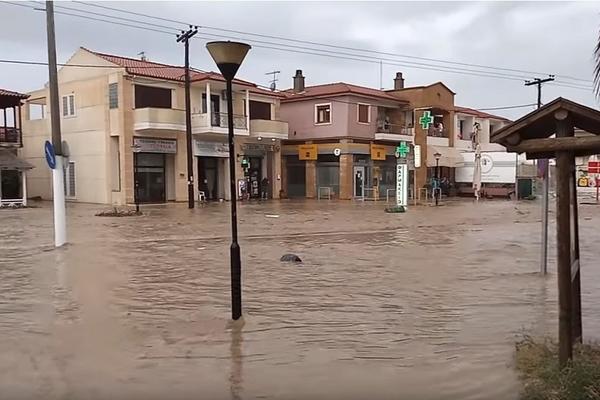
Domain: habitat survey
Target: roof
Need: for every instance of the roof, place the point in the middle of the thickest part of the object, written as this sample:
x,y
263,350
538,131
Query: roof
x,y
422,87
153,69
542,123
8,98
336,89
478,114
8,160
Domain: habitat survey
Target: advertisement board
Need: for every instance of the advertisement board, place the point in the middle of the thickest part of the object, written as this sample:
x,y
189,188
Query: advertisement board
x,y
496,167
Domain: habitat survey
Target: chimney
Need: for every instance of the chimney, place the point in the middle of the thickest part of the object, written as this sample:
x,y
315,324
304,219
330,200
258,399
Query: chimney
x,y
298,81
398,81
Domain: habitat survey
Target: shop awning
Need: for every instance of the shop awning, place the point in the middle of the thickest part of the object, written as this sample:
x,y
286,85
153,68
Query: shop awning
x,y
451,157
9,160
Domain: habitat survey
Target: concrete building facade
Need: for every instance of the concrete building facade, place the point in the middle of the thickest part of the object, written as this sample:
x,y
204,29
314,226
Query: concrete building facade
x,y
123,120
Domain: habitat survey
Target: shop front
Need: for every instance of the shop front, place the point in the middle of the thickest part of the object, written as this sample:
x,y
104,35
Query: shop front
x,y
154,169
259,163
212,159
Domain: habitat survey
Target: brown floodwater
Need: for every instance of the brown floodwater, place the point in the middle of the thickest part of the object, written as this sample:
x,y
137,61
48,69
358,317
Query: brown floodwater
x,y
422,305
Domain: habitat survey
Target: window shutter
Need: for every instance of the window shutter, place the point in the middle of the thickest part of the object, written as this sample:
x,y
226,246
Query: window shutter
x,y
113,95
71,179
65,106
71,105
65,181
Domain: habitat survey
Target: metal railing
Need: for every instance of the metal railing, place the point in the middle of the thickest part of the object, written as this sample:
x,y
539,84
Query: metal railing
x,y
221,119
10,135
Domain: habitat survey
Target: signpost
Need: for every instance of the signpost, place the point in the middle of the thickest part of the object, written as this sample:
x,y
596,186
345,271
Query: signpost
x,y
50,155
401,185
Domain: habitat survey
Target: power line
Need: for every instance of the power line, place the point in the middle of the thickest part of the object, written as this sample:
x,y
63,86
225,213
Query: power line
x,y
505,107
329,45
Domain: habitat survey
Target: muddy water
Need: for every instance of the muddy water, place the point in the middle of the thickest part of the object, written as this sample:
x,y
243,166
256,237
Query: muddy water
x,y
423,305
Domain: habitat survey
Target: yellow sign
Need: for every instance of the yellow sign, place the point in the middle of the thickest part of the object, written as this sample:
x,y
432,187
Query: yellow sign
x,y
377,152
307,152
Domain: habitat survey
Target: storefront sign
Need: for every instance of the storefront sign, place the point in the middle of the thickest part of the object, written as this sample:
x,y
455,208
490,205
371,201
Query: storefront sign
x,y
593,167
417,154
401,185
211,149
307,152
257,148
377,152
426,120
496,167
144,145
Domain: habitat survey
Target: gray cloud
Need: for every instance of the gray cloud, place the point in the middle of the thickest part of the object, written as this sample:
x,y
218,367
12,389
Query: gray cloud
x,y
546,37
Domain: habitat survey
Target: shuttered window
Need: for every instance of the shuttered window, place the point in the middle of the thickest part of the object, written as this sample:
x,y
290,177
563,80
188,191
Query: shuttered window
x,y
68,105
69,180
113,95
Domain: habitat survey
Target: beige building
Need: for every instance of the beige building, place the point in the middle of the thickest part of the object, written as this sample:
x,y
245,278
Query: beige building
x,y
123,120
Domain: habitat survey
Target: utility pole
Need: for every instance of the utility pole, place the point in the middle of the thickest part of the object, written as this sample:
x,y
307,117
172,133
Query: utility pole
x,y
58,191
184,37
543,165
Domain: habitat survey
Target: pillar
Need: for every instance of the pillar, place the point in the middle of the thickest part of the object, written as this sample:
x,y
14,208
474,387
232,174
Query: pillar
x,y
311,179
283,160
346,172
247,109
24,182
208,105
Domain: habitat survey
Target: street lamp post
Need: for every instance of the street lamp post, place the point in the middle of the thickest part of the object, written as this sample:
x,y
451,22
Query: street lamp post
x,y
437,177
229,56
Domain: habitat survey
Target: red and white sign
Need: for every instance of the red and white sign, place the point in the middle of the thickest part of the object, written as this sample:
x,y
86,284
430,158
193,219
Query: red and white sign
x,y
593,167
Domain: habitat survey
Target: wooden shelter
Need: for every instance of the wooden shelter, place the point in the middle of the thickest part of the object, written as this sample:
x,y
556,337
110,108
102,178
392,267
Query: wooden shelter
x,y
549,132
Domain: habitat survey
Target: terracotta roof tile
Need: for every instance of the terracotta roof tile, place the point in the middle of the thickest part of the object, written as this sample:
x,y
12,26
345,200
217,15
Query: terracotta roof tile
x,y
162,71
479,114
338,88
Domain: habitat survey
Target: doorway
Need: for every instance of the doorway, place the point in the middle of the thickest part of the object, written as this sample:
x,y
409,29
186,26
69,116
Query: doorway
x,y
359,182
208,177
255,176
10,184
150,177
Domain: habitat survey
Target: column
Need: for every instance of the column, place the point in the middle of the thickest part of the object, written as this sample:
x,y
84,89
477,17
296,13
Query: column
x,y
346,172
208,104
247,110
24,182
311,179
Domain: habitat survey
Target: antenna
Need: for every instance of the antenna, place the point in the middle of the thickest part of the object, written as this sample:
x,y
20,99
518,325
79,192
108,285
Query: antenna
x,y
273,81
142,55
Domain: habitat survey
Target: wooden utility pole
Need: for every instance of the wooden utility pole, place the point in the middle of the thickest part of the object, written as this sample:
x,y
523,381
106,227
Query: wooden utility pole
x,y
544,261
58,191
184,37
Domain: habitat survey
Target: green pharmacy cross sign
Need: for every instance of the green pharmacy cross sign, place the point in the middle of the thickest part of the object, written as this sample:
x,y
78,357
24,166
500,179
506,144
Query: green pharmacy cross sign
x,y
426,120
402,150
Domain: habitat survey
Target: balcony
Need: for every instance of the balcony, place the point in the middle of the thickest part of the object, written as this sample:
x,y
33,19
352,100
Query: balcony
x,y
394,133
10,137
268,129
165,119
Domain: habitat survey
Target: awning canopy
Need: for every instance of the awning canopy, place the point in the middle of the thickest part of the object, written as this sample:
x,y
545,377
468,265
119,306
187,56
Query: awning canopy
x,y
8,160
450,157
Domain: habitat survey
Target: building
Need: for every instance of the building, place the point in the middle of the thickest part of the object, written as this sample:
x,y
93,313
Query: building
x,y
13,169
123,120
364,126
342,140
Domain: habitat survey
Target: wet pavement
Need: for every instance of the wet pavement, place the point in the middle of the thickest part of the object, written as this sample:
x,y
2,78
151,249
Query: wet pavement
x,y
422,305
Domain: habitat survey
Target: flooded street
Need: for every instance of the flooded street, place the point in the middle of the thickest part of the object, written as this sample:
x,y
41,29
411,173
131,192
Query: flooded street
x,y
422,305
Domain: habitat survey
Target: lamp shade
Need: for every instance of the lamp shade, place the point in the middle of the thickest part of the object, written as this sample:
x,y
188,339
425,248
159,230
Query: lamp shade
x,y
437,156
228,56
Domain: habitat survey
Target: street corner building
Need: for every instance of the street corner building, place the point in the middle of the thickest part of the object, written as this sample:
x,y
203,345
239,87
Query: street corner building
x,y
123,120
13,168
344,139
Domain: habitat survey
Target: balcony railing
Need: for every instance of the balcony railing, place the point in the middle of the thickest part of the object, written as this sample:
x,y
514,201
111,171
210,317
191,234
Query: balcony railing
x,y
221,119
438,132
383,127
10,136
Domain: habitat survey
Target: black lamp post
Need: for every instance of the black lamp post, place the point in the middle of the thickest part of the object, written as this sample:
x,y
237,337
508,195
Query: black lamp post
x,y
229,56
437,176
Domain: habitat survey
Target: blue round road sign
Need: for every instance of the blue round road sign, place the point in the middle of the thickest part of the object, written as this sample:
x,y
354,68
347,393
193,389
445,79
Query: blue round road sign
x,y
50,156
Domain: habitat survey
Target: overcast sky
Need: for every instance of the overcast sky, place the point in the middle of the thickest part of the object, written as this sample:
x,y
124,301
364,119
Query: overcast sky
x,y
556,38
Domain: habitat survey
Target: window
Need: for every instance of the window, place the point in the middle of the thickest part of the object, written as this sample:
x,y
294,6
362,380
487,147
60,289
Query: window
x,y
461,128
37,111
364,113
69,180
113,95
68,105
150,96
260,110
323,113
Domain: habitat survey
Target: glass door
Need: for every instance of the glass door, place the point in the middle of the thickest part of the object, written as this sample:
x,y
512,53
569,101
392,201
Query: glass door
x,y
359,182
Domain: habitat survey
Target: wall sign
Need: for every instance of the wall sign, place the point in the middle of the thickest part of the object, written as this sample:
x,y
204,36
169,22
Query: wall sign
x,y
211,149
417,154
402,185
145,145
337,151
307,152
377,152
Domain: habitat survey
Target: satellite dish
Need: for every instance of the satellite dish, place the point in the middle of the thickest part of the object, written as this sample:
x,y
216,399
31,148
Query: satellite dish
x,y
273,86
